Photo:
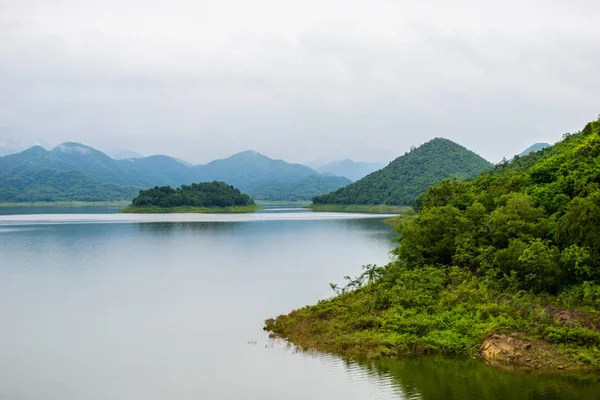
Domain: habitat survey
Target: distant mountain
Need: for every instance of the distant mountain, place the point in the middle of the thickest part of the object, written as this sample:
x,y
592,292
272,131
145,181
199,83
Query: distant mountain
x,y
304,189
74,171
37,174
533,148
352,170
123,154
400,182
248,169
160,170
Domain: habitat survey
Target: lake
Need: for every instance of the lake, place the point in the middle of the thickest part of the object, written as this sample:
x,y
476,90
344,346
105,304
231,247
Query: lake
x,y
108,306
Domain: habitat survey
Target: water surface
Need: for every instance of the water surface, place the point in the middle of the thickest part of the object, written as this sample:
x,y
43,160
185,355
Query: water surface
x,y
172,307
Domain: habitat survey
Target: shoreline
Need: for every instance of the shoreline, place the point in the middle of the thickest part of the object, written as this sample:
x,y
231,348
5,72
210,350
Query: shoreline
x,y
470,320
115,203
359,208
187,209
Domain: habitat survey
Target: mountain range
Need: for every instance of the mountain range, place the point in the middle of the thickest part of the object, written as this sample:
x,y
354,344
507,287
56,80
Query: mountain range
x,y
75,172
400,182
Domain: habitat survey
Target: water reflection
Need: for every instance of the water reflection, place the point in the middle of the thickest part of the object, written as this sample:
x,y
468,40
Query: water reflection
x,y
159,310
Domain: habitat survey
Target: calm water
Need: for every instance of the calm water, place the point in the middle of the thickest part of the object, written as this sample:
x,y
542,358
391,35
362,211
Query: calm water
x,y
110,306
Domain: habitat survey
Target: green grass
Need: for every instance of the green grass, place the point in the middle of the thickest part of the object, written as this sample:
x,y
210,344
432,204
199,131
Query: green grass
x,y
357,208
186,209
118,203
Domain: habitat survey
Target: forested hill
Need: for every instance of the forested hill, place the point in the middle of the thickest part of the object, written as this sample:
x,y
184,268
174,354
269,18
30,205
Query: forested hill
x,y
400,182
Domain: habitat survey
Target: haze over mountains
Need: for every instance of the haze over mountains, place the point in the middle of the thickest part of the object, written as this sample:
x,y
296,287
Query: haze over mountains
x,y
75,172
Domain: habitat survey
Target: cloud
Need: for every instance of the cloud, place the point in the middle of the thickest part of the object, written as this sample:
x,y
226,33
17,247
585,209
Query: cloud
x,y
297,80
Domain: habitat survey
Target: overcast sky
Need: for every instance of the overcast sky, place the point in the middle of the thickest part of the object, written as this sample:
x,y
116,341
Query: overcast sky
x,y
299,80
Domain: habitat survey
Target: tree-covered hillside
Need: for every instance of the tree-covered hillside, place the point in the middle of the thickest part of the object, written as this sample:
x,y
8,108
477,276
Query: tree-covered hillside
x,y
205,194
407,176
510,257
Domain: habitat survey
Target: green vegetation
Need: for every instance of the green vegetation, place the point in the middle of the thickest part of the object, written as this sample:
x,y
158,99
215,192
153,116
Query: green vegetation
x,y
197,197
358,208
514,251
406,177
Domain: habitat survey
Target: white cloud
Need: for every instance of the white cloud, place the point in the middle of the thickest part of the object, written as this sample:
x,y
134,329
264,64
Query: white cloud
x,y
297,80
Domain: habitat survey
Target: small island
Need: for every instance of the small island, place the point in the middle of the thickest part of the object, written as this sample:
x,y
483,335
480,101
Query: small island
x,y
205,197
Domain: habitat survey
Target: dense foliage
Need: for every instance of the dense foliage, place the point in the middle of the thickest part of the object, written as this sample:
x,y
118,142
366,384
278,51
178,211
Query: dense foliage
x,y
533,223
514,250
205,194
75,172
406,177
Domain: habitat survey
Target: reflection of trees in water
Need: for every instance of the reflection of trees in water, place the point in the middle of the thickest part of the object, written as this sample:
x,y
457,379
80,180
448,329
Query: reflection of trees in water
x,y
439,378
449,379
374,228
199,228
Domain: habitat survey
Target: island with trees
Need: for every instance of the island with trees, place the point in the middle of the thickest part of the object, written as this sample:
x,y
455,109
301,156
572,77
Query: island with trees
x,y
205,197
505,267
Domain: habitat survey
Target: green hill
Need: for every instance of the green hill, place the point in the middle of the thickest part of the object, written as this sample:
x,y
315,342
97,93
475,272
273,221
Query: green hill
x,y
505,267
400,182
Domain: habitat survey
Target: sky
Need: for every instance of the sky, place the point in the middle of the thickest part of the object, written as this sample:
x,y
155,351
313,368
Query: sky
x,y
305,81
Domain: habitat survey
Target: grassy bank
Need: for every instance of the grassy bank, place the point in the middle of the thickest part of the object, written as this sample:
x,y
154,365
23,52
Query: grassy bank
x,y
185,209
357,208
118,203
448,312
